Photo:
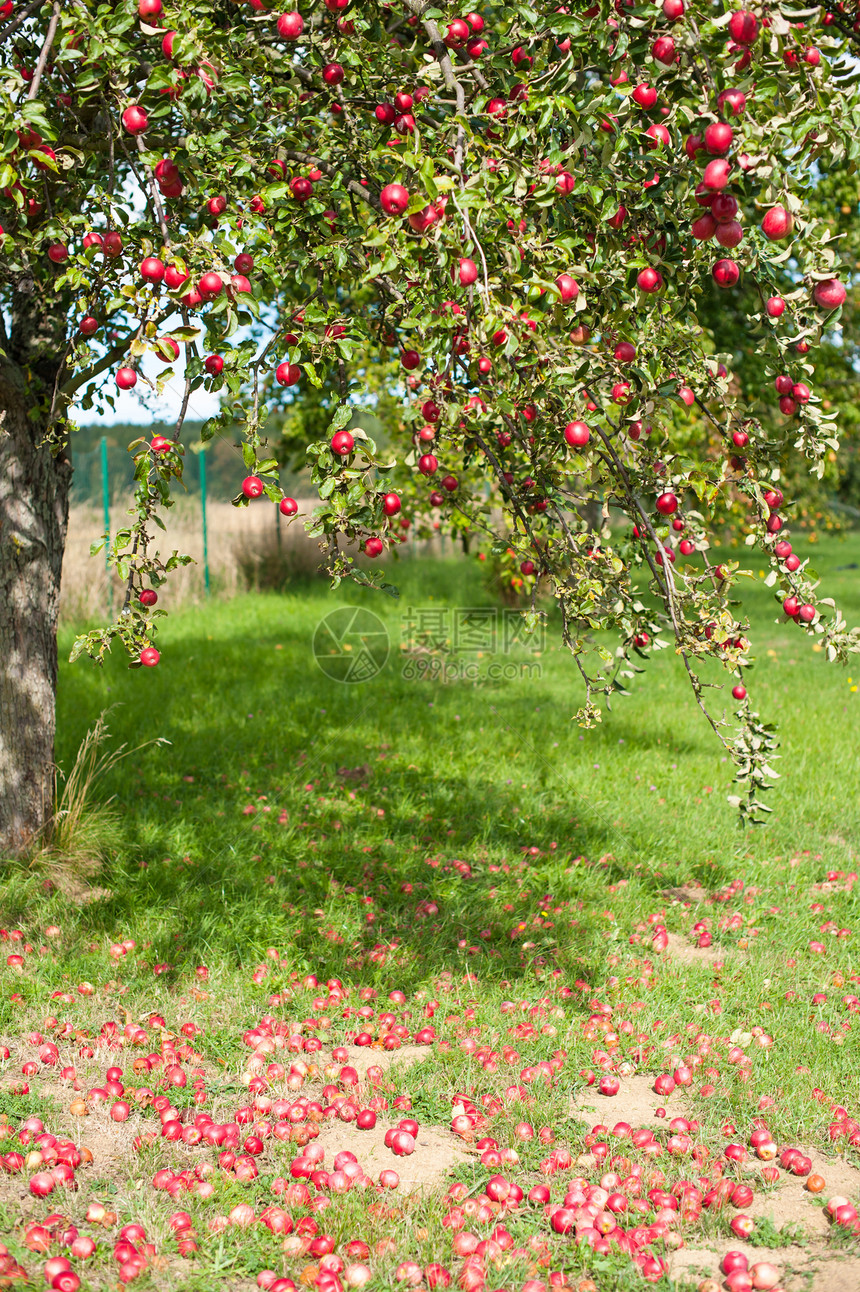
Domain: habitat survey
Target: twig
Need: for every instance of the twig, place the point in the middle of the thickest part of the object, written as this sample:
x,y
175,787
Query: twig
x,y
474,237
156,196
17,23
667,582
46,49
417,7
328,169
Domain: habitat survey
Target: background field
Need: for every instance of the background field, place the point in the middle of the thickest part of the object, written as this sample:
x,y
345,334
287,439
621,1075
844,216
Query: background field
x,y
494,767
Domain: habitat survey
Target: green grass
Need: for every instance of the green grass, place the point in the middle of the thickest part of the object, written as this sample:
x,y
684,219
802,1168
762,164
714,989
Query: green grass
x,y
485,848
472,770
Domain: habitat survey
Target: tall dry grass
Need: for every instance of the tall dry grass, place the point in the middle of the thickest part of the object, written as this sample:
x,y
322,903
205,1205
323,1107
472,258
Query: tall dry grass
x,y
246,550
83,829
239,541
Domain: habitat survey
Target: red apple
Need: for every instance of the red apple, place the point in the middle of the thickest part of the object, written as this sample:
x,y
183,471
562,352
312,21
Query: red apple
x,y
718,138
829,294
135,119
777,224
577,434
291,25
742,1226
394,199
725,273
568,288
729,233
175,277
733,1261
467,271
649,280
645,95
733,100
211,284
704,227
716,175
342,443
743,27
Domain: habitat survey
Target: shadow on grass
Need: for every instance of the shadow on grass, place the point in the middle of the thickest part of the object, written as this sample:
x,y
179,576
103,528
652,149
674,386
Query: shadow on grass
x,y
260,827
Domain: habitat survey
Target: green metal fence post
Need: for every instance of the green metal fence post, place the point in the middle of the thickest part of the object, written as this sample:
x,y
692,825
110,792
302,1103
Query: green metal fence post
x,y
201,459
106,506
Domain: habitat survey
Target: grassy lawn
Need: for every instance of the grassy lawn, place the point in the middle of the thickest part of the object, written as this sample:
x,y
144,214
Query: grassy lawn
x,y
465,842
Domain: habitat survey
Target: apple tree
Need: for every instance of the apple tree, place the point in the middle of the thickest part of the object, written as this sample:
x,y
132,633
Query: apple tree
x,y
519,210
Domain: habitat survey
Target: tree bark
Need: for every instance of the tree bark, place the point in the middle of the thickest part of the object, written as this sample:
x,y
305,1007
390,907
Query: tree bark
x,y
34,508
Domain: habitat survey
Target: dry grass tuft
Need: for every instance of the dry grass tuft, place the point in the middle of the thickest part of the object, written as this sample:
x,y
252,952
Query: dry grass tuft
x,y
83,831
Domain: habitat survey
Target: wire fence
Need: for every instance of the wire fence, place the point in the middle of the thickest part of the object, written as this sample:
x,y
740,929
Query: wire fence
x,y
233,549
93,482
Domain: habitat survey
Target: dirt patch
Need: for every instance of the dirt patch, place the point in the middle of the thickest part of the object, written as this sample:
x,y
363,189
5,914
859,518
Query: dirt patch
x,y
686,953
635,1103
108,1141
789,1203
705,1261
436,1153
833,1273
804,1269
687,893
812,1268
362,1057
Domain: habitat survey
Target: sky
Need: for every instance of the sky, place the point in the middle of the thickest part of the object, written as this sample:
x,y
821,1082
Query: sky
x,y
141,406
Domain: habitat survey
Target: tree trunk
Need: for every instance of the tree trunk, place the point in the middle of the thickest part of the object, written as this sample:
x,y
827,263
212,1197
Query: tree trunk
x,y
34,509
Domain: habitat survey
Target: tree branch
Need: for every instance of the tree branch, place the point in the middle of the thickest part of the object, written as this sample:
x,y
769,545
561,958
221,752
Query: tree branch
x,y
102,365
328,169
46,49
17,23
